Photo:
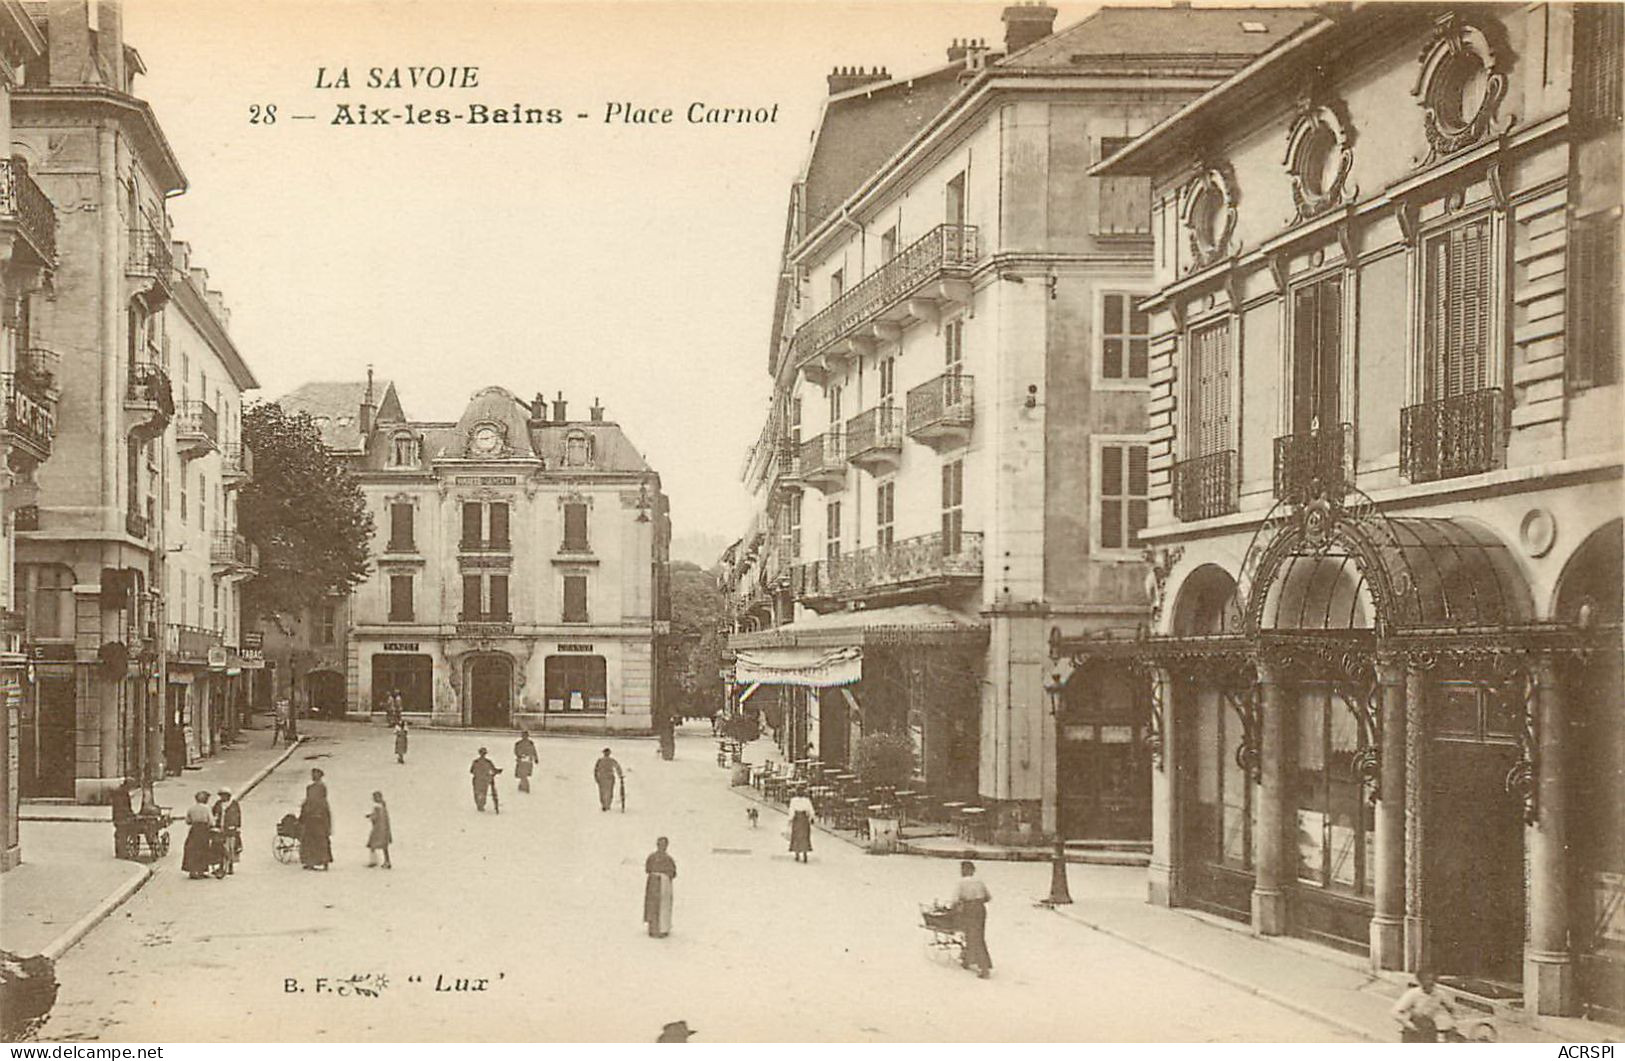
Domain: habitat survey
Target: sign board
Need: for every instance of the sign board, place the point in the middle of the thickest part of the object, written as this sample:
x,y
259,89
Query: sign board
x,y
400,646
253,639
574,647
486,480
217,657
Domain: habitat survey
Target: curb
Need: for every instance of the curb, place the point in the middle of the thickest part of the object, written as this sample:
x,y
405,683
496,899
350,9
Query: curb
x,y
265,771
81,928
1264,993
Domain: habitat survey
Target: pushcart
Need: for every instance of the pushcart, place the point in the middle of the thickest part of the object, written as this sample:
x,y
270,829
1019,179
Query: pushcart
x,y
947,938
147,829
285,845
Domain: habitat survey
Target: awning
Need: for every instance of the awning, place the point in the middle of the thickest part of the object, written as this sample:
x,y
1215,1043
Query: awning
x,y
750,692
899,625
813,667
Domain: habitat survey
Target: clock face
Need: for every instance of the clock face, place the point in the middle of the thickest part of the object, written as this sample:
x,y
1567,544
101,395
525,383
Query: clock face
x,y
486,439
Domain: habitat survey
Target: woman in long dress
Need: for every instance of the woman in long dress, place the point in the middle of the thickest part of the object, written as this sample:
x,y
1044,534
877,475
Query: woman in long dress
x,y
378,837
970,904
315,825
199,821
661,870
801,817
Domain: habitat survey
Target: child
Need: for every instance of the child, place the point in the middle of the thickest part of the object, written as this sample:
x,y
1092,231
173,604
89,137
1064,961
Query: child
x,y
400,741
378,839
1424,1014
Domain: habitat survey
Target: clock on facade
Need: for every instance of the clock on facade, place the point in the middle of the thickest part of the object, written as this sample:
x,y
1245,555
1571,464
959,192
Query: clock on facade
x,y
486,439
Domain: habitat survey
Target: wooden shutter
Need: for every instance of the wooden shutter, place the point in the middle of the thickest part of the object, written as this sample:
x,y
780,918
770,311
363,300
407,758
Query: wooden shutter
x,y
575,598
400,526
499,523
472,609
1208,418
1593,324
499,597
1112,327
575,527
1329,352
1111,497
1304,319
1435,300
473,530
1599,39
1138,491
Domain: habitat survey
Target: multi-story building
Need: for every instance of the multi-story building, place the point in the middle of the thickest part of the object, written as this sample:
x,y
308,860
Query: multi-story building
x,y
955,459
28,375
93,563
1384,494
521,568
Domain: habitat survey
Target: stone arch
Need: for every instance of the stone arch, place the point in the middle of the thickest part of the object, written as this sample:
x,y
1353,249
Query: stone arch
x,y
1589,589
1206,604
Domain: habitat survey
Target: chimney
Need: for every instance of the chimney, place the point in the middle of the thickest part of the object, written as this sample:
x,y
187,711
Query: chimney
x,y
966,48
596,412
956,50
538,407
558,408
1026,24
368,408
846,78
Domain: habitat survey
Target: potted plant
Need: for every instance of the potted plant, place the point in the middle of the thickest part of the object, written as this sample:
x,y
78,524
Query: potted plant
x,y
884,760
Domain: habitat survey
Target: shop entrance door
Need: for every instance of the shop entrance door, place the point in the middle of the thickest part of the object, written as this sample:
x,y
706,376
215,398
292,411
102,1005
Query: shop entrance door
x,y
45,761
490,681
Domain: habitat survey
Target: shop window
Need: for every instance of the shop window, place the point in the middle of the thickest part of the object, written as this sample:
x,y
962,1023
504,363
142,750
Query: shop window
x,y
400,598
1122,491
1334,819
1593,327
576,684
1125,339
410,675
575,528
575,598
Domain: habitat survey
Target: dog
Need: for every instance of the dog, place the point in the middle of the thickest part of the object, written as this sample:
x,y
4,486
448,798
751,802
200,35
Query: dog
x,y
751,813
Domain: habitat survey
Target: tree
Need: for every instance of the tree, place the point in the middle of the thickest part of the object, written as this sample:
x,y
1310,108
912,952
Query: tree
x,y
305,512
693,682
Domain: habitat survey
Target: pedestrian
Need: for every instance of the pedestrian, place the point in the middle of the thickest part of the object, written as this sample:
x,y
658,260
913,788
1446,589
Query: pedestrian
x,y
660,871
228,819
801,818
279,722
485,780
676,1031
1424,1014
396,710
316,825
123,817
195,855
605,771
970,906
400,741
379,836
525,759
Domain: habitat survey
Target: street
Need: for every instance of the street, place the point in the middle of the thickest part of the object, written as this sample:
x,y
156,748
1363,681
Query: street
x,y
536,912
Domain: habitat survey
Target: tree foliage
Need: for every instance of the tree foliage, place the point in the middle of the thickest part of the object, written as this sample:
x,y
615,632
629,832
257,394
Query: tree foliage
x,y
693,682
305,512
884,759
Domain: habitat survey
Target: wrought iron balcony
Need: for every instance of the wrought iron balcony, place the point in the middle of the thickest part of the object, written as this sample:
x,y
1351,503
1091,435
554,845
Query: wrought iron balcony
x,y
232,552
926,563
30,415
933,269
1318,463
1463,435
136,524
40,363
236,464
485,545
191,643
23,204
1205,486
197,429
822,462
150,255
874,438
942,412
148,390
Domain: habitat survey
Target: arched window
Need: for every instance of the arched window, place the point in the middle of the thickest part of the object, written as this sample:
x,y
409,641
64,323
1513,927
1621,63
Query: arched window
x,y
403,450
577,450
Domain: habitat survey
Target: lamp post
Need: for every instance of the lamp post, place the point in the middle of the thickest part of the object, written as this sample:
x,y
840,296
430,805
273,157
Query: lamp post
x,y
1059,894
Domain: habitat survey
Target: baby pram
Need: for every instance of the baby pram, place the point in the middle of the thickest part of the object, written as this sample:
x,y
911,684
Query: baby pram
x,y
285,845
947,938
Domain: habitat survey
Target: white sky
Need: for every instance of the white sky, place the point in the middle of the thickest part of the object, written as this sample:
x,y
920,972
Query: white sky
x,y
631,264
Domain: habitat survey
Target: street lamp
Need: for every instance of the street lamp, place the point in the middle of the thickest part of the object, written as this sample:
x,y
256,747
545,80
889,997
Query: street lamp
x,y
1059,894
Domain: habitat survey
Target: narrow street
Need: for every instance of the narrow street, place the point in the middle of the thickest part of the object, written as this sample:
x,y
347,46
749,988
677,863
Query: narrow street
x,y
544,902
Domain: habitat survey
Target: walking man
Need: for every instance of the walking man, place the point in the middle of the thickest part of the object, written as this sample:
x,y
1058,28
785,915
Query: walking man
x,y
228,819
485,780
525,759
660,871
605,771
400,742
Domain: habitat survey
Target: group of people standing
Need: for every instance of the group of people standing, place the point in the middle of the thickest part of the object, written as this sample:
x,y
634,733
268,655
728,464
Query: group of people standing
x,y
213,835
316,827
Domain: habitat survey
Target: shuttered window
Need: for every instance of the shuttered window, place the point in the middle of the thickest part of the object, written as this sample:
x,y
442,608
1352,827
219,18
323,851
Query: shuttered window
x,y
499,523
1599,39
472,608
1123,206
575,528
953,506
1207,421
400,598
885,513
1317,345
1593,325
1456,311
400,527
473,523
1122,492
575,598
498,608
832,530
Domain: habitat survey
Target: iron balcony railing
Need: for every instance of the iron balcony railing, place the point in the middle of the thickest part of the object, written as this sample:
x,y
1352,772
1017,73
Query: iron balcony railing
x,y
30,412
947,401
1317,463
928,558
1450,437
149,385
1205,486
150,254
232,550
485,545
31,209
197,419
237,461
823,456
192,643
40,363
874,430
945,249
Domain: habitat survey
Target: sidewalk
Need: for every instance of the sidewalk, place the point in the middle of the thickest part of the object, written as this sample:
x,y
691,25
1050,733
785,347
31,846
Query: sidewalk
x,y
69,880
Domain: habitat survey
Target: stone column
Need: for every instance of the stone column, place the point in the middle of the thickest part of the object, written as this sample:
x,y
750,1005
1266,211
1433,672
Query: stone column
x,y
1269,857
1163,873
1388,875
1548,966
1416,948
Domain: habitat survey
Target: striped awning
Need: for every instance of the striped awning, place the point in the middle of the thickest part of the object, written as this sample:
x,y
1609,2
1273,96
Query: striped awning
x,y
817,668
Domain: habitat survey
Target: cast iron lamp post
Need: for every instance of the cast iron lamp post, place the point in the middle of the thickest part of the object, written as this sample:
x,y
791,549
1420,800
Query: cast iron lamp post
x,y
1059,894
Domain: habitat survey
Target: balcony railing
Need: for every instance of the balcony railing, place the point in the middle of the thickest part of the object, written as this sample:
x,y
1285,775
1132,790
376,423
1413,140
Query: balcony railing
x,y
946,249
135,524
150,254
485,545
1318,463
943,410
237,463
875,436
197,427
926,561
192,643
482,626
23,202
232,551
822,461
40,363
30,413
1205,486
1455,436
148,385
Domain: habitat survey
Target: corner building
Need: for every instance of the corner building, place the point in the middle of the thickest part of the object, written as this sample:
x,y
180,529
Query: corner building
x,y
520,570
1385,498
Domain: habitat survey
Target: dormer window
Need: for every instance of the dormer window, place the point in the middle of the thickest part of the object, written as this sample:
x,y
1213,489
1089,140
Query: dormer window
x,y
577,450
403,451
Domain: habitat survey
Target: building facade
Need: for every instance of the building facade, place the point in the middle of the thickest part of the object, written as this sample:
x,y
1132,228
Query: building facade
x,y
1384,496
955,460
520,574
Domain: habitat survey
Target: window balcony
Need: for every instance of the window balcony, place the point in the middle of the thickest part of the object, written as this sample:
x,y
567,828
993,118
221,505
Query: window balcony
x,y
874,439
233,554
150,256
147,393
236,464
942,412
1318,463
928,563
28,209
30,424
485,545
191,644
822,461
915,284
197,429
1463,435
1205,486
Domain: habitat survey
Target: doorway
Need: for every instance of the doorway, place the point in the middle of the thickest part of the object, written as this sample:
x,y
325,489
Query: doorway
x,y
490,689
46,751
326,693
1103,771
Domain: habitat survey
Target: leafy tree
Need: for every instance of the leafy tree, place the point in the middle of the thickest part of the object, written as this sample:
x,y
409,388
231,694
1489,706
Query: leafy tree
x,y
693,684
305,512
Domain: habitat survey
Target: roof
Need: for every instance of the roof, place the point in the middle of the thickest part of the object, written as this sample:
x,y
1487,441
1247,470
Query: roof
x,y
899,623
1174,32
336,408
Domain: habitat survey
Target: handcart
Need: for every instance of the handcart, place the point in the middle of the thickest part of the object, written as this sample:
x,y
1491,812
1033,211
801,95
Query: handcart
x,y
146,829
947,938
285,845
